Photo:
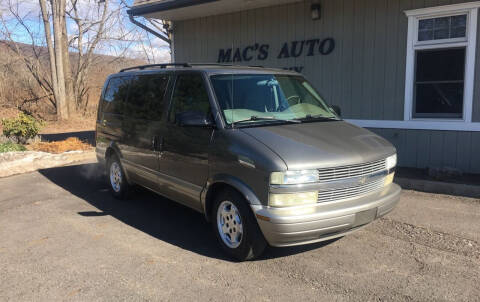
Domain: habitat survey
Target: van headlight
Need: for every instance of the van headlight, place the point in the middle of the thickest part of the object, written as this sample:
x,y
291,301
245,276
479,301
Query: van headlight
x,y
294,177
292,199
391,162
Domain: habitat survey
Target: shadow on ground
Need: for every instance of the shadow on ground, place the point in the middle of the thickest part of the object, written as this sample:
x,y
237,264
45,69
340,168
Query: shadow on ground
x,y
150,213
88,136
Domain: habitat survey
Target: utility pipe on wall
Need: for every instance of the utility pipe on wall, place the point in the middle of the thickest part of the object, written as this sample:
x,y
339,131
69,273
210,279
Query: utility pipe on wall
x,y
148,29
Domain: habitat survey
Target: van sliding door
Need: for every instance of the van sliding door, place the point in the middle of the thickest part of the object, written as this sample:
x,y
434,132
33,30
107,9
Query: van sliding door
x,y
143,114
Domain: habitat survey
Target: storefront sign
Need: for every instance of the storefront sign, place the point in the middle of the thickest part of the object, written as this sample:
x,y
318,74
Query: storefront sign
x,y
292,49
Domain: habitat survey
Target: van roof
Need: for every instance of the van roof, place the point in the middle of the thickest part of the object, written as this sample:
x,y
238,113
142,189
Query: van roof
x,y
210,68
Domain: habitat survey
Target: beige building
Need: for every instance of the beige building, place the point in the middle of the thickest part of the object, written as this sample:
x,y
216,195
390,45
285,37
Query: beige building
x,y
406,69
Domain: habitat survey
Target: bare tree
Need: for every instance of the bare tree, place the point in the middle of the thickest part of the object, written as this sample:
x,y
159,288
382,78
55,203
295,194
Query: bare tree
x,y
32,58
160,29
53,82
58,7
85,49
66,65
73,51
48,38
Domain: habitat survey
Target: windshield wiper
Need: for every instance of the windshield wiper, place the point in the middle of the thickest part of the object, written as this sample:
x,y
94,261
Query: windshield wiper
x,y
318,117
266,118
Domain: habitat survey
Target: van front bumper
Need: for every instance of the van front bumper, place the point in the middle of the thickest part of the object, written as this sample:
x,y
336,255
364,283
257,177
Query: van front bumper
x,y
323,221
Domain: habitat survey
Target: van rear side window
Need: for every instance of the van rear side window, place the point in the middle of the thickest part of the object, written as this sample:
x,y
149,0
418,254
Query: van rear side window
x,y
145,100
115,95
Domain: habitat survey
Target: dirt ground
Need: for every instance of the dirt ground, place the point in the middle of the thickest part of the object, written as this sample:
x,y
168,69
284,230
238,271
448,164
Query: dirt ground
x,y
75,123
64,238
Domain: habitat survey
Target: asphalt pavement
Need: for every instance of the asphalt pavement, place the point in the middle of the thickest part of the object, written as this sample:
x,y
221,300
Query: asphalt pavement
x,y
63,237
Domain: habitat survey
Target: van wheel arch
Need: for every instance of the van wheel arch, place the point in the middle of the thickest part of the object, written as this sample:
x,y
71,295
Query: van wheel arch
x,y
223,182
112,152
213,191
108,154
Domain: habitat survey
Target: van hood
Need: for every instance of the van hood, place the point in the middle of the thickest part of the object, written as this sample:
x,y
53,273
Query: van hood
x,y
322,144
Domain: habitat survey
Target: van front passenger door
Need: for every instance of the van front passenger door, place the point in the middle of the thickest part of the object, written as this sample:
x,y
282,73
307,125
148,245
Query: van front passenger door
x,y
183,159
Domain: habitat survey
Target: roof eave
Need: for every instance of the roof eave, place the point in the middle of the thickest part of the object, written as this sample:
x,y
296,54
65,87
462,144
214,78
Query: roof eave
x,y
164,6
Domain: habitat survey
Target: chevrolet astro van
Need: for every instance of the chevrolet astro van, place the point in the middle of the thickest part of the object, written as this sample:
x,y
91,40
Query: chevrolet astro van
x,y
256,150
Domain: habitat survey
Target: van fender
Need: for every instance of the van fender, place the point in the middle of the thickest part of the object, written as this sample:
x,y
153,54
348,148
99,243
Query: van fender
x,y
113,146
229,180
116,150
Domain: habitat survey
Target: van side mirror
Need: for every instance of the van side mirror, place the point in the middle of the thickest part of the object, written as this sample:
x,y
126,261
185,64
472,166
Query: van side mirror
x,y
336,109
194,119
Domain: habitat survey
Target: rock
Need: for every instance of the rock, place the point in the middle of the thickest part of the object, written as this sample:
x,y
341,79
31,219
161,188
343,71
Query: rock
x,y
4,139
12,163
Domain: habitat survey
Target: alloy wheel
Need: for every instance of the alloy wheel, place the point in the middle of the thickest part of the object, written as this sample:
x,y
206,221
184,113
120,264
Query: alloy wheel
x,y
229,224
115,176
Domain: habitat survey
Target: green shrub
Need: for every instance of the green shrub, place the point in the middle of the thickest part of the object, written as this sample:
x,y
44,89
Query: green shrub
x,y
23,127
9,147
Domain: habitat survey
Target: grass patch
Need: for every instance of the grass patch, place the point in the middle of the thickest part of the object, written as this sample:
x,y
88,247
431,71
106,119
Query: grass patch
x,y
70,144
10,147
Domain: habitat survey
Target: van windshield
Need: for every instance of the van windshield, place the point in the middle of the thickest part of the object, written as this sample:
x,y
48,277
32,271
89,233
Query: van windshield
x,y
268,98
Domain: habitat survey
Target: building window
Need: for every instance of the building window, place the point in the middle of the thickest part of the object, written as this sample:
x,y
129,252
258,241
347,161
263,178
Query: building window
x,y
439,88
451,27
440,62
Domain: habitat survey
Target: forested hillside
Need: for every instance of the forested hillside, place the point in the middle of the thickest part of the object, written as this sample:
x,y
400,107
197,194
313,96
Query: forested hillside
x,y
19,89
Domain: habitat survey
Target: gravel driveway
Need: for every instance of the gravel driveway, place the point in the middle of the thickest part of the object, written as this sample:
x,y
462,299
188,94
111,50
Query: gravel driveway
x,y
64,238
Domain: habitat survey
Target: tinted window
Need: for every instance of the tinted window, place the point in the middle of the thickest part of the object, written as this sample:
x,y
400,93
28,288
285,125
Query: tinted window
x,y
439,87
189,95
145,100
115,95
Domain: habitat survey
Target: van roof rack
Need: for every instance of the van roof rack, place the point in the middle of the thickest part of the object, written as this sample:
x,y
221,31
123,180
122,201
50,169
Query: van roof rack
x,y
141,67
165,65
223,64
210,64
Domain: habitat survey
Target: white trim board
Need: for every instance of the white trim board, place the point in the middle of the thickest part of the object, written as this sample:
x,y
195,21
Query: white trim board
x,y
417,125
441,9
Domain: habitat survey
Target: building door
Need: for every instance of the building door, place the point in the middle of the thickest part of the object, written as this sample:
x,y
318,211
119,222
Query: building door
x,y
184,157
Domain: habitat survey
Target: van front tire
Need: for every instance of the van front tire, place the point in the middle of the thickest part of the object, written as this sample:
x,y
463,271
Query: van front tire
x,y
116,179
235,227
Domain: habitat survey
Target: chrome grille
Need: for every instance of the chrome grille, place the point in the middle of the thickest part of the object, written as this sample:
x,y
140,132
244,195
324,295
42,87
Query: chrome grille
x,y
338,173
350,192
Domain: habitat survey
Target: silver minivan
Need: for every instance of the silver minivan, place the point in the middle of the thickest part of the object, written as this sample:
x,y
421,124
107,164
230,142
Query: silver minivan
x,y
258,151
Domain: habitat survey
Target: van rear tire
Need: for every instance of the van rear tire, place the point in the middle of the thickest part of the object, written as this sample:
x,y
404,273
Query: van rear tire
x,y
116,179
235,227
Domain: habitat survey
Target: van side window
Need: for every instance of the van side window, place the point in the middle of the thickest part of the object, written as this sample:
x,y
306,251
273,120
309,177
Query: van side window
x,y
145,100
190,94
115,95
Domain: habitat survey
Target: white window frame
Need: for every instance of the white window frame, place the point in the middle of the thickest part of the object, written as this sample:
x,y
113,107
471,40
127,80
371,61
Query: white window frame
x,y
469,42
408,122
